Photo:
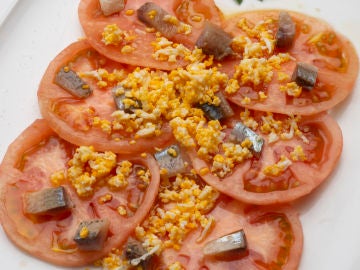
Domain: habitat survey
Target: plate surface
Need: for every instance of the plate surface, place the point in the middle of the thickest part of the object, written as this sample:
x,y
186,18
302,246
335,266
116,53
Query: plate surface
x,y
32,32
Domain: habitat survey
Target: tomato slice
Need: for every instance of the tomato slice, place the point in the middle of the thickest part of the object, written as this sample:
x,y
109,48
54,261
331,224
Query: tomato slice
x,y
73,118
28,164
254,181
274,239
193,13
316,43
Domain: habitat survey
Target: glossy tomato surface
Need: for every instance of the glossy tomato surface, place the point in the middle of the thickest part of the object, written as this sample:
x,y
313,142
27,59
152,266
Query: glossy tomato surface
x,y
316,43
193,13
27,167
279,225
73,118
321,142
47,27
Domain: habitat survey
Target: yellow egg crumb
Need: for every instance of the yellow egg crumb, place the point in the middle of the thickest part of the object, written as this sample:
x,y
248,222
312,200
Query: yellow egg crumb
x,y
283,77
277,168
129,12
87,168
123,170
261,32
102,84
84,232
196,18
245,101
204,171
232,86
122,210
183,207
262,96
152,13
105,198
291,89
175,266
298,154
57,178
233,154
166,50
112,35
172,152
127,49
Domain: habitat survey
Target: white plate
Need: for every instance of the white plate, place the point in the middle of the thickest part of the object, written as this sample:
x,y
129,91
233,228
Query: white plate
x,y
34,31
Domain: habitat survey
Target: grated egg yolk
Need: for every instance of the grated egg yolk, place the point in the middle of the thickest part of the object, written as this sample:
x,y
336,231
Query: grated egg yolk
x,y
88,167
298,154
291,89
183,207
277,168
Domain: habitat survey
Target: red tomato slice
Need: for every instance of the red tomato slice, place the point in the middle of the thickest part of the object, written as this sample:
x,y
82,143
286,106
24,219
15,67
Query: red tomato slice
x,y
72,118
27,166
249,183
274,239
316,43
194,13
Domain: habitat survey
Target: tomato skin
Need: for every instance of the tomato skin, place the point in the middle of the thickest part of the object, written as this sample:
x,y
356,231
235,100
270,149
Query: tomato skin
x,y
71,118
93,23
50,238
279,225
334,55
307,174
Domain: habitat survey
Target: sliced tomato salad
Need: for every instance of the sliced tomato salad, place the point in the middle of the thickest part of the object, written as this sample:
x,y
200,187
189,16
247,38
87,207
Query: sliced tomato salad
x,y
89,120
273,234
28,166
113,99
293,161
315,43
140,41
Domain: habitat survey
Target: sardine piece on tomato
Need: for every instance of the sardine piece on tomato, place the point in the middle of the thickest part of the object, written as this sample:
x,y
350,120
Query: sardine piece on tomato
x,y
263,71
90,120
124,38
37,161
299,153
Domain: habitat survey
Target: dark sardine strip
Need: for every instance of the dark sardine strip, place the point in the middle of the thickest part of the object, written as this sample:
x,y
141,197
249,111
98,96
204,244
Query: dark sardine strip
x,y
305,75
137,254
213,112
241,132
286,30
133,249
46,201
91,234
109,7
213,40
172,160
120,105
226,109
153,16
232,242
71,82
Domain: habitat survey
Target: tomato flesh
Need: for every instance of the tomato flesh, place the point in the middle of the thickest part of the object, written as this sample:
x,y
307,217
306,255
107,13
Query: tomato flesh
x,y
278,225
74,119
194,13
28,166
321,143
315,43
286,239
